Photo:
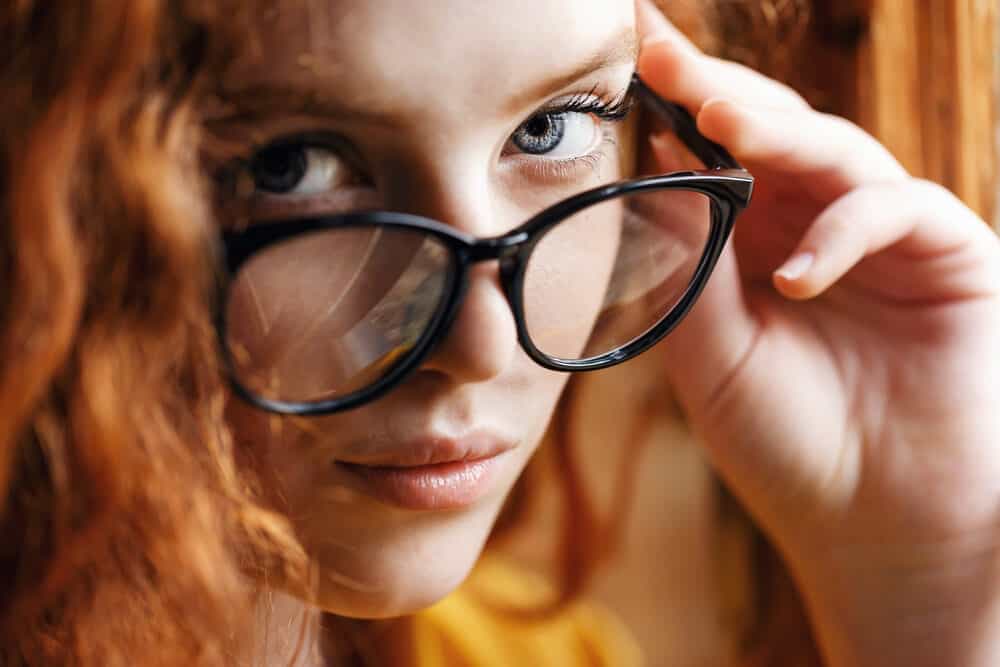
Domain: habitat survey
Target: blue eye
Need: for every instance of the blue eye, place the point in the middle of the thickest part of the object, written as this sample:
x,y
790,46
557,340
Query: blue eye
x,y
560,135
541,134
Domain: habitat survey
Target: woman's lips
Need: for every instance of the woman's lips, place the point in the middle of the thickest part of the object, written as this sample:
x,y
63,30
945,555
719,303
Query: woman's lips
x,y
451,475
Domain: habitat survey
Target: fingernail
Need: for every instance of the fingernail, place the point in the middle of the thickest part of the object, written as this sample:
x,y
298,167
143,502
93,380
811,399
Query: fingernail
x,y
797,266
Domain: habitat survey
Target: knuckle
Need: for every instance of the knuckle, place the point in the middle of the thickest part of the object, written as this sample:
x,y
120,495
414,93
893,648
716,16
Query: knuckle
x,y
930,191
844,125
771,90
763,90
938,201
855,141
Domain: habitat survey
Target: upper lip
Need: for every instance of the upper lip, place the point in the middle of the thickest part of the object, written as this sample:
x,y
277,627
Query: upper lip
x,y
433,450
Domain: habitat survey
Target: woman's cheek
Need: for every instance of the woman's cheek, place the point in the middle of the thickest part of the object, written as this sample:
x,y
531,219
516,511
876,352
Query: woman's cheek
x,y
567,278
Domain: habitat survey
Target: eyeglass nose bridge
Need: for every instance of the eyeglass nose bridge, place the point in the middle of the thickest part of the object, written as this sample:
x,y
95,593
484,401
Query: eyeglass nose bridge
x,y
508,251
502,248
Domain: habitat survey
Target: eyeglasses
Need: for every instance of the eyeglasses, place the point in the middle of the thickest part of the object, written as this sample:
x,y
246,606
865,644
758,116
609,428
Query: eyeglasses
x,y
323,314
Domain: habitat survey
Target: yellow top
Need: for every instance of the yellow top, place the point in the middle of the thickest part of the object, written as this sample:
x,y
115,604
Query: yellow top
x,y
465,630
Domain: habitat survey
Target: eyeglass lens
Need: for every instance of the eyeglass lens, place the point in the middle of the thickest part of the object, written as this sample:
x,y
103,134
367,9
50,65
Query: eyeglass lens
x,y
331,312
608,274
328,313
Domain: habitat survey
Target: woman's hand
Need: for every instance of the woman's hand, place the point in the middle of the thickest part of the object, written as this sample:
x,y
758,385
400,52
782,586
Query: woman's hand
x,y
842,368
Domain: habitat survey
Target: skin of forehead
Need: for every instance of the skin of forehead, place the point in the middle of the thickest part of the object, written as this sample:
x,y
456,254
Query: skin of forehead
x,y
393,55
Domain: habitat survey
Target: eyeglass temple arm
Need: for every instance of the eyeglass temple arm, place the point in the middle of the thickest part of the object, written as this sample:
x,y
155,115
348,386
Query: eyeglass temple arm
x,y
710,153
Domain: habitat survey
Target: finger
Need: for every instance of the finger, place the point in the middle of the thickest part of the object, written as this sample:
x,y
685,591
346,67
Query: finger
x,y
654,26
920,219
830,154
674,68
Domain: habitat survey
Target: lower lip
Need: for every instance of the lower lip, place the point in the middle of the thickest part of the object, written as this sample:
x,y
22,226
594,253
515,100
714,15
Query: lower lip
x,y
442,486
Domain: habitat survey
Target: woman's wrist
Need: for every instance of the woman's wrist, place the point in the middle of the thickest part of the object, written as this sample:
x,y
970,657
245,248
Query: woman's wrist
x,y
933,606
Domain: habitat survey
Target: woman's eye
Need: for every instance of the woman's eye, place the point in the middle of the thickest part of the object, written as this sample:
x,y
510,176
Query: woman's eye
x,y
298,169
560,135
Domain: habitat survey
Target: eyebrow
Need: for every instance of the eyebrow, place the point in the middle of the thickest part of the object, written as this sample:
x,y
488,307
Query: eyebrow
x,y
621,49
264,98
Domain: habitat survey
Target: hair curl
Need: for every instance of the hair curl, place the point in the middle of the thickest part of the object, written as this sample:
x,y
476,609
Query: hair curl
x,y
127,531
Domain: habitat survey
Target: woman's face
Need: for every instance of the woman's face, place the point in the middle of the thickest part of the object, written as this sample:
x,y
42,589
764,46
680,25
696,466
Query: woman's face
x,y
475,113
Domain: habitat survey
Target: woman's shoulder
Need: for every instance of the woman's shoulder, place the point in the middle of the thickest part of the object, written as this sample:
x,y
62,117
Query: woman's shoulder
x,y
479,626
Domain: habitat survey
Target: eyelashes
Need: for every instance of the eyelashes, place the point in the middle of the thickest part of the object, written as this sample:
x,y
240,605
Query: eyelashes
x,y
606,111
609,108
312,157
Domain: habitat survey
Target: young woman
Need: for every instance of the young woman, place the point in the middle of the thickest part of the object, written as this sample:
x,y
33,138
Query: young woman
x,y
417,240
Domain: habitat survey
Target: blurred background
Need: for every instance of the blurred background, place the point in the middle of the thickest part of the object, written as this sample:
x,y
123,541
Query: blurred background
x,y
691,577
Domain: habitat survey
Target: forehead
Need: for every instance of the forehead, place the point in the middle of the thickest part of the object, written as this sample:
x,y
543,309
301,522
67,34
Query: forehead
x,y
384,54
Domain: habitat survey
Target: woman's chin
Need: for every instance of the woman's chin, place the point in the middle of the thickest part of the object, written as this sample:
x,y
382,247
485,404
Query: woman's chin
x,y
397,572
399,593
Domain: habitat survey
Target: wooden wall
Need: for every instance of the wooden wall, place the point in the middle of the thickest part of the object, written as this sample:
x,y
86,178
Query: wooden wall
x,y
921,76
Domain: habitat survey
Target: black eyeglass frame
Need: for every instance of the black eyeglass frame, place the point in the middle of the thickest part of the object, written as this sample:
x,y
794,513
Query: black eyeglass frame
x,y
726,184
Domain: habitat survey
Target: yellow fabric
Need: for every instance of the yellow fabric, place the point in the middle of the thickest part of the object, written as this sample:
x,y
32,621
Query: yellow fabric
x,y
467,630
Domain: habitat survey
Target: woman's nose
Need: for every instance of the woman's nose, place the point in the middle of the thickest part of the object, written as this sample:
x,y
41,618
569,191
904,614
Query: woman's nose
x,y
481,342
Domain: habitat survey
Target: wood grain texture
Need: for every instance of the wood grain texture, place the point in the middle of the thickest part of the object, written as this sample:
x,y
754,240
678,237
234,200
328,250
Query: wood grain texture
x,y
926,88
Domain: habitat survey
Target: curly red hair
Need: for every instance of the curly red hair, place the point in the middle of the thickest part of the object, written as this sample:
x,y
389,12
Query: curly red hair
x,y
127,530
